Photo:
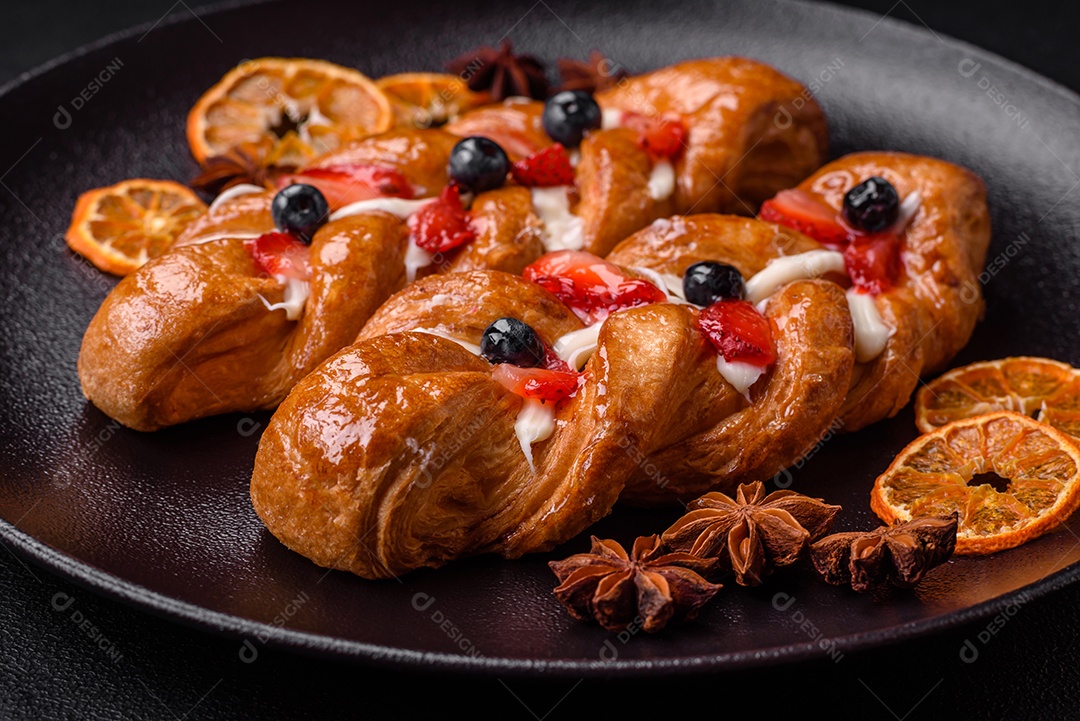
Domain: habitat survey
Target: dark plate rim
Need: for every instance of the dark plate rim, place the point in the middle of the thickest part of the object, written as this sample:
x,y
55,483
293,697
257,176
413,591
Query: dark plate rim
x,y
24,546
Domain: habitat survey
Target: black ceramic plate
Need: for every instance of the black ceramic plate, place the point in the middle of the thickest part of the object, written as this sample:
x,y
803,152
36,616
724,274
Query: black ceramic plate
x,y
163,520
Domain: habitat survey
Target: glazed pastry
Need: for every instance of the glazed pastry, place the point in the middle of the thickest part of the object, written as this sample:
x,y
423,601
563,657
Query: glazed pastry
x,y
218,325
707,135
914,267
424,452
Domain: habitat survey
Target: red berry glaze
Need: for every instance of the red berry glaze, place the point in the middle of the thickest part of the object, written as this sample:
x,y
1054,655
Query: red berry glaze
x,y
538,383
345,184
592,287
873,262
660,137
442,225
738,332
545,168
281,254
798,210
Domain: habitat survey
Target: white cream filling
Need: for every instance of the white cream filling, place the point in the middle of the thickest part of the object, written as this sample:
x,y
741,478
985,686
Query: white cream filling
x,y
578,345
401,207
296,295
662,180
562,229
672,285
781,271
871,333
610,118
535,423
234,192
738,374
908,208
415,259
471,347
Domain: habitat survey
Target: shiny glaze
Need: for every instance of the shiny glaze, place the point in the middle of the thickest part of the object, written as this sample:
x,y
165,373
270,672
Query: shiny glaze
x,y
791,408
750,126
730,107
515,124
187,336
202,299
938,300
405,439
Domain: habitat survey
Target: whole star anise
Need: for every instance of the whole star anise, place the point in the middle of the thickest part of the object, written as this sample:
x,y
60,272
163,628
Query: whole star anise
x,y
592,75
649,587
752,533
501,72
898,555
241,164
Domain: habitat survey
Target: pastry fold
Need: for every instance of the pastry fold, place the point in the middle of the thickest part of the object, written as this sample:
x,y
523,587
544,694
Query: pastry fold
x,y
935,305
401,452
751,131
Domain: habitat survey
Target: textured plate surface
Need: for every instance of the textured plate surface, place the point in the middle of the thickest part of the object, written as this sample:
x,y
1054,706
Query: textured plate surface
x,y
164,521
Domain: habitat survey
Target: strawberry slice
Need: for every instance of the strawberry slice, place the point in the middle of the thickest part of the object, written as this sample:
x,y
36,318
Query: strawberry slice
x,y
345,184
553,362
738,332
545,168
660,137
539,383
281,254
592,287
442,225
798,210
873,262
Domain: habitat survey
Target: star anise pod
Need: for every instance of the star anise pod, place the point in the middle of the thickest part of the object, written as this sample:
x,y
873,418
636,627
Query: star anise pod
x,y
242,164
752,533
501,72
648,587
592,75
898,555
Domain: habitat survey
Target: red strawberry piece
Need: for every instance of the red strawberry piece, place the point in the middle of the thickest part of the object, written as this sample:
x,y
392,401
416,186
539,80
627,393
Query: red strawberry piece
x,y
801,211
442,225
539,383
281,254
592,287
345,184
738,332
660,137
544,168
873,262
553,362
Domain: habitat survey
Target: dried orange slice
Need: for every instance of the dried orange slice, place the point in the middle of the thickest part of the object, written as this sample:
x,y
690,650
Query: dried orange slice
x,y
424,100
289,109
120,227
964,465
1045,389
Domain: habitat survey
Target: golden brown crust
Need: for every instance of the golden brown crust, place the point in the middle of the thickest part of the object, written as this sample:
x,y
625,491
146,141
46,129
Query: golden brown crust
x,y
752,130
462,305
938,301
400,453
515,124
187,335
508,234
671,245
420,155
613,178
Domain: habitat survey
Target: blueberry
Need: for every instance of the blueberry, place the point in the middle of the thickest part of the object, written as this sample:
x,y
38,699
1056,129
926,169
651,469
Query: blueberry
x,y
872,205
299,210
509,340
478,164
567,115
707,282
